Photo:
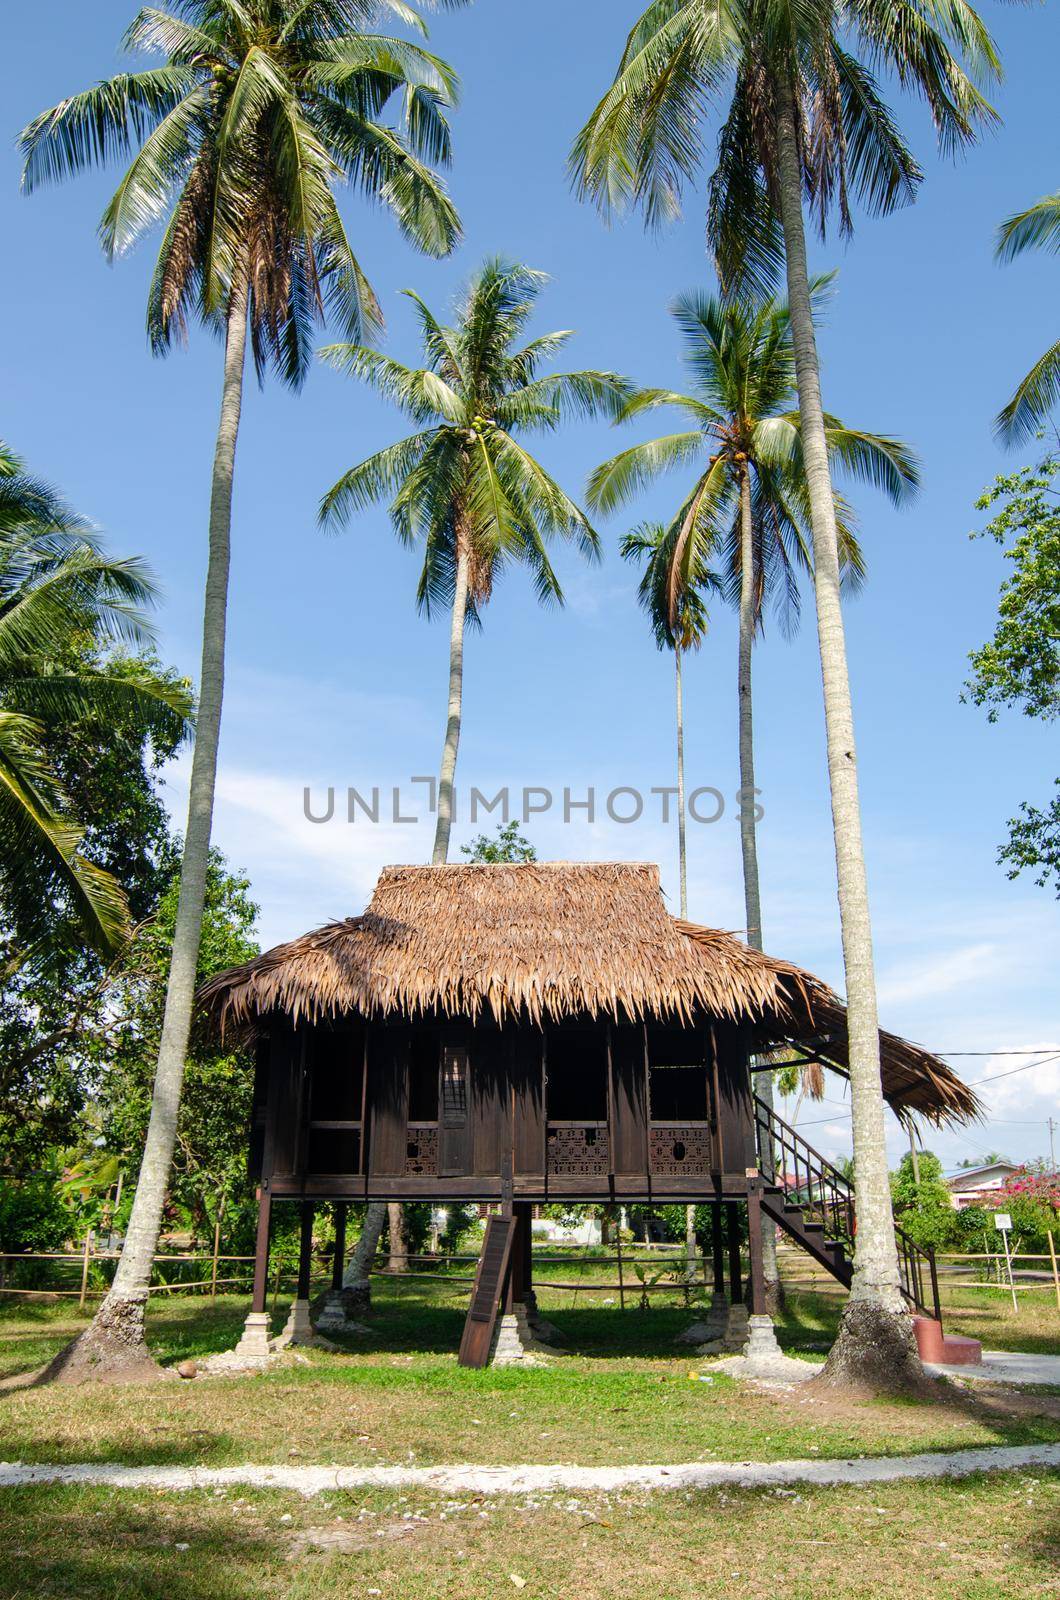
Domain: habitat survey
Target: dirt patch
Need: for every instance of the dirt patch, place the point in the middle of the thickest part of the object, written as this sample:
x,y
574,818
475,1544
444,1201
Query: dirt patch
x,y
345,1538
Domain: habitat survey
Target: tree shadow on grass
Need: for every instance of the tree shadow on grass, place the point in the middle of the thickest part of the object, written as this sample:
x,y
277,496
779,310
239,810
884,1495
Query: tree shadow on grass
x,y
64,1543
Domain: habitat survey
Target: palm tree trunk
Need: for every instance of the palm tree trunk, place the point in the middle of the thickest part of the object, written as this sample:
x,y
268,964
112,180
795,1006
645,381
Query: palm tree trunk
x,y
682,846
875,1339
763,1082
116,1336
748,830
399,1249
356,1280
452,727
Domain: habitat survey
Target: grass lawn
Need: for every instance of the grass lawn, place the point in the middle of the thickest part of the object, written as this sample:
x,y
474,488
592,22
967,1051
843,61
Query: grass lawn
x,y
619,1393
987,1539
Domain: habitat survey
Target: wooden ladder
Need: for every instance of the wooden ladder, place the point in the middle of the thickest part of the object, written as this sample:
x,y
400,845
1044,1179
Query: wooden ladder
x,y
491,1281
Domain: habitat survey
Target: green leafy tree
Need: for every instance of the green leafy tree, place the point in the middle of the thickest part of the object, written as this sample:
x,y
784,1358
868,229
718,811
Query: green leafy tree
x,y
506,847
33,1216
209,1173
463,487
923,1208
806,125
1037,228
62,601
258,110
54,999
679,623
1019,667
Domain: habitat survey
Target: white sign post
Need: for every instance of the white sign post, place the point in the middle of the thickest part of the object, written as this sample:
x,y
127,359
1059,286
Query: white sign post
x,y
1003,1224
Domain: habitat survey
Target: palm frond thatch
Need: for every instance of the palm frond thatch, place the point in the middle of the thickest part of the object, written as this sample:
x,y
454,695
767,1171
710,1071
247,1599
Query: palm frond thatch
x,y
546,941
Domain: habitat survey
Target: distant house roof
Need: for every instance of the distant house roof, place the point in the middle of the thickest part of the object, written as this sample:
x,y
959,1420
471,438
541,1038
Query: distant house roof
x,y
554,940
975,1177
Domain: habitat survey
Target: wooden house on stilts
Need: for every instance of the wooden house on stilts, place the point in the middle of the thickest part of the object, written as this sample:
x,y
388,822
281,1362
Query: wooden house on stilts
x,y
547,1032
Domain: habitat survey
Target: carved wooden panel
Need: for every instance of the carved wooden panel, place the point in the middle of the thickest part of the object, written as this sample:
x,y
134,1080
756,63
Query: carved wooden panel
x,y
674,1151
421,1153
578,1152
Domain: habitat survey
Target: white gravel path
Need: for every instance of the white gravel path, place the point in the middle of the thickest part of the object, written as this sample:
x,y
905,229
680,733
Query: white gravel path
x,y
309,1481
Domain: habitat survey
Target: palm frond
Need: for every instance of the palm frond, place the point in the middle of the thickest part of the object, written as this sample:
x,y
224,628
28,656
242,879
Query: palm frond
x,y
1037,228
1035,397
615,481
39,841
100,124
374,479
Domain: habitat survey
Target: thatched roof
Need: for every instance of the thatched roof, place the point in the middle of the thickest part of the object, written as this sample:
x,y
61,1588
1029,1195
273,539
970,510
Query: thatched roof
x,y
550,940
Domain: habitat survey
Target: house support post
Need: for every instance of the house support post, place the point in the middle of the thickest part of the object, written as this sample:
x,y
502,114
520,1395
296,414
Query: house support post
x,y
717,1239
253,1345
518,1325
761,1350
298,1328
338,1260
754,1246
333,1311
735,1276
522,1274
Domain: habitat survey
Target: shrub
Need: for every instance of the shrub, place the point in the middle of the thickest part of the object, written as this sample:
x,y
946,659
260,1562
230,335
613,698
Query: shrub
x,y
33,1216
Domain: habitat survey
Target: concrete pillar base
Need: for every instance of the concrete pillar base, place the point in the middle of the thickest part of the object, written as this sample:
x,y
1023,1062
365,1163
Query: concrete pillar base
x,y
732,1331
544,1331
334,1315
254,1340
762,1359
298,1329
761,1340
709,1327
513,1341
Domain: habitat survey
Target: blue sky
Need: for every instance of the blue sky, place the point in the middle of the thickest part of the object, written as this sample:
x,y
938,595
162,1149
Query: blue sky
x,y
335,680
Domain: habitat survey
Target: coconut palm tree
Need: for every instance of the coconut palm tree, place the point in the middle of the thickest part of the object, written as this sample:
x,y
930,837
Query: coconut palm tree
x,y
679,625
748,507
257,112
57,589
653,545
1037,228
463,487
806,124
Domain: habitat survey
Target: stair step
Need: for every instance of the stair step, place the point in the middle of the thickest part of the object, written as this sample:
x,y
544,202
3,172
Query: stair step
x,y
950,1349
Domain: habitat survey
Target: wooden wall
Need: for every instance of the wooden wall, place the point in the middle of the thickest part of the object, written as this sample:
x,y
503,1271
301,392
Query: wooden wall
x,y
492,1104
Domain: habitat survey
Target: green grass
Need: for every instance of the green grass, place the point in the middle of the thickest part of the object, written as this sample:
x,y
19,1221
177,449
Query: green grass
x,y
981,1539
619,1393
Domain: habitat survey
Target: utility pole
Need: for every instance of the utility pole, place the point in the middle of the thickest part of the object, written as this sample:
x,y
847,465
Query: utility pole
x,y
1051,1123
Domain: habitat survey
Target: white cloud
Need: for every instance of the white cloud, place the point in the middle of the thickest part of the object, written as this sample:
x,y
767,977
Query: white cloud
x,y
954,969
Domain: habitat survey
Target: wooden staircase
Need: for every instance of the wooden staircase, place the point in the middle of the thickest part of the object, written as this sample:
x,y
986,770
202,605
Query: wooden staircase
x,y
814,1204
491,1281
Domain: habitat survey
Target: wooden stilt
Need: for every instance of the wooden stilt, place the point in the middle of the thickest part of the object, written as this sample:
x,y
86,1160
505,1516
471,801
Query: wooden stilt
x,y
522,1273
305,1250
754,1245
735,1274
260,1295
338,1261
717,1239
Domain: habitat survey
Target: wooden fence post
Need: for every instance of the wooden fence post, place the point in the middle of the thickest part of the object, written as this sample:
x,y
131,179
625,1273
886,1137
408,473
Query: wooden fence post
x,y
1056,1274
87,1256
216,1253
618,1252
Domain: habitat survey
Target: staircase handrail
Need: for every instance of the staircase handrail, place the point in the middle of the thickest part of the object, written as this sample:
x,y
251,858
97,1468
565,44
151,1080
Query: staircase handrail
x,y
827,1189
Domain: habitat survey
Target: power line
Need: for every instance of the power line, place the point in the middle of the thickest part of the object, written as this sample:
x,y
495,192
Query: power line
x,y
1027,1067
989,1052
